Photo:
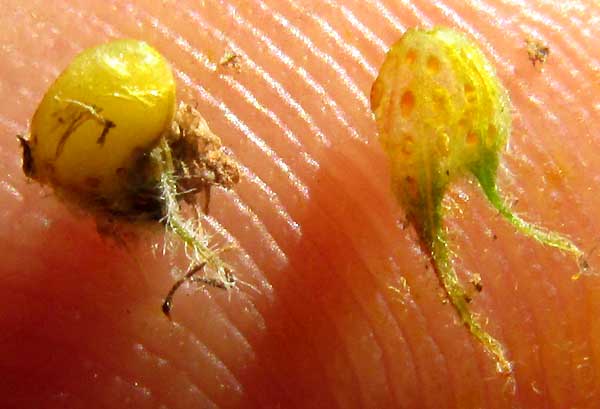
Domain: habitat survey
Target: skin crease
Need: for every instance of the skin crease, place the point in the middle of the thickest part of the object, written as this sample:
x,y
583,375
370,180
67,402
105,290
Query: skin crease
x,y
341,309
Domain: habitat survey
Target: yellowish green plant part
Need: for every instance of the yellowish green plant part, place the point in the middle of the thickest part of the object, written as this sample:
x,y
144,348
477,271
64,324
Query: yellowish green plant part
x,y
443,114
111,104
109,136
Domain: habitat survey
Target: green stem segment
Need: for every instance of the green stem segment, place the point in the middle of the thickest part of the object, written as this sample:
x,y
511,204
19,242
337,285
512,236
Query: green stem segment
x,y
458,297
539,234
426,215
424,210
190,232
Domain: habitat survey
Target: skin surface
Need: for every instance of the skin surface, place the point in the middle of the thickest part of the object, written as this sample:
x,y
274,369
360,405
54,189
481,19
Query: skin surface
x,y
342,309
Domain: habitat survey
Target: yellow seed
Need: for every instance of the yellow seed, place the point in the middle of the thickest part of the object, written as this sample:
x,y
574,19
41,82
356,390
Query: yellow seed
x,y
108,137
105,111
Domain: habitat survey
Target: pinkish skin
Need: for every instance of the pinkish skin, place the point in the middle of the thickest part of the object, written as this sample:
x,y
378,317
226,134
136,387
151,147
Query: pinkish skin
x,y
332,324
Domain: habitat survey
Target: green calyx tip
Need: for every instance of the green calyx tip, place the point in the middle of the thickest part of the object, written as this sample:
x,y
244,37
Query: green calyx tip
x,y
539,234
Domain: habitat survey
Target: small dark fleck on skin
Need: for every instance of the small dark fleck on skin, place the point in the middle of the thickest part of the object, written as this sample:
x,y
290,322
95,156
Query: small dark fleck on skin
x,y
230,59
476,282
537,52
495,237
584,264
